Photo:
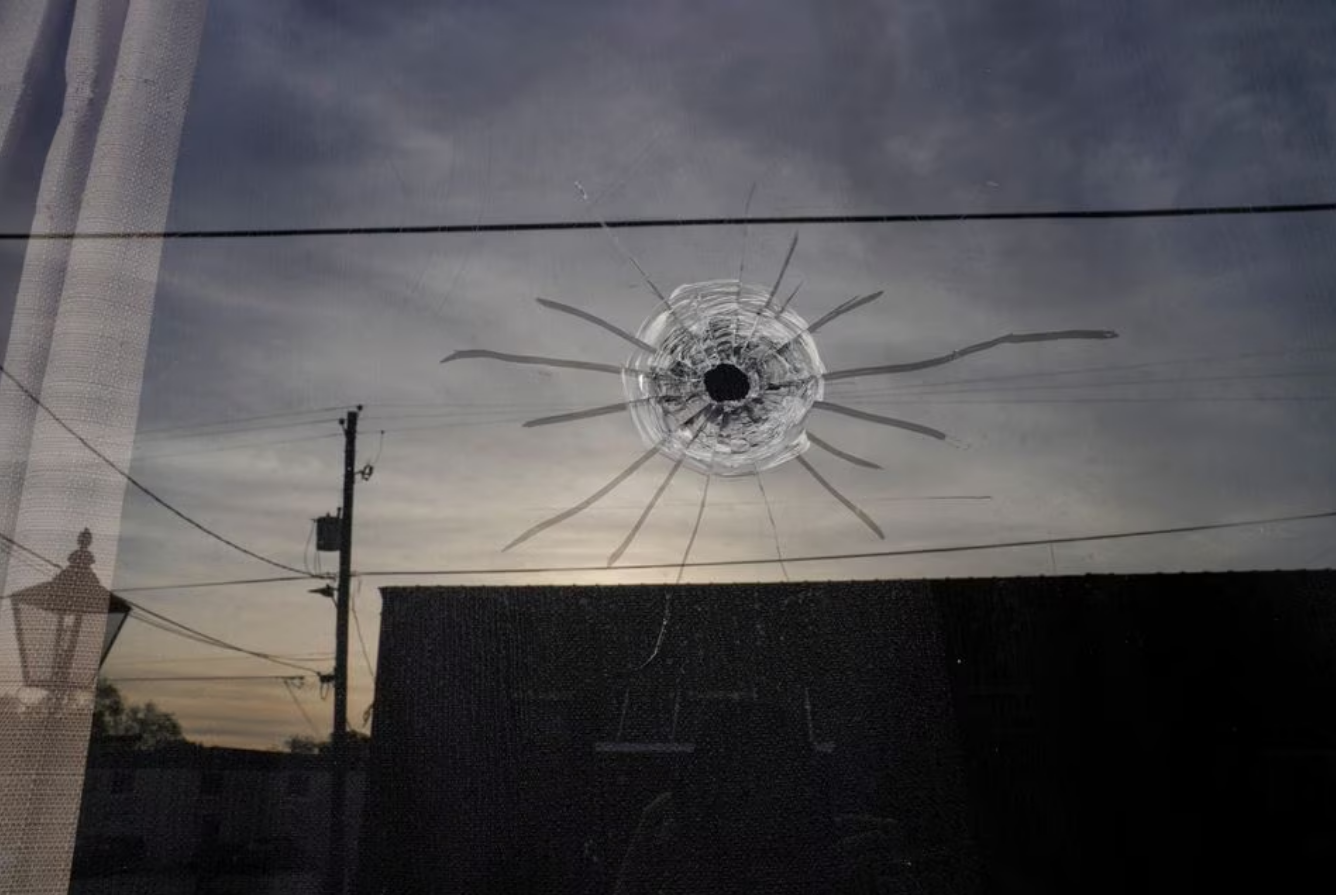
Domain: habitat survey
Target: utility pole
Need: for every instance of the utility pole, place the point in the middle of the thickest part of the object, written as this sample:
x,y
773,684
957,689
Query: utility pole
x,y
339,738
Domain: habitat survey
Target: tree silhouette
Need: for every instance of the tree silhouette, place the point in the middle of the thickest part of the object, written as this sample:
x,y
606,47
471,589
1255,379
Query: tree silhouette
x,y
143,727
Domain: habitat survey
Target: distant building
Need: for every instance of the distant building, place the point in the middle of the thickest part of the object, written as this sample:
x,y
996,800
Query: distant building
x,y
190,810
1098,733
521,732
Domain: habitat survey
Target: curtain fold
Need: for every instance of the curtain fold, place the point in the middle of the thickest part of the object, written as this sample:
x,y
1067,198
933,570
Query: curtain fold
x,y
29,34
79,339
90,62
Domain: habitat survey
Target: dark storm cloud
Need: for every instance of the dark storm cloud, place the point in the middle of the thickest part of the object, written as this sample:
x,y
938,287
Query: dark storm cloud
x,y
928,106
304,110
915,105
922,103
294,97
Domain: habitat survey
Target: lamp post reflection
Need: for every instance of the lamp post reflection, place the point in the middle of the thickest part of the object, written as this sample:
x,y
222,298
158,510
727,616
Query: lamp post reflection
x,y
54,620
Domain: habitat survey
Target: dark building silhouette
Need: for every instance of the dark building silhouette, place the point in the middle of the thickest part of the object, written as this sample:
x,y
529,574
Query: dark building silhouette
x,y
1102,733
206,819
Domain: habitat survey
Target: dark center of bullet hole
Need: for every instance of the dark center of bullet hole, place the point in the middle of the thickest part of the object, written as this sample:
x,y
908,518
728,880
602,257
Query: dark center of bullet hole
x,y
727,383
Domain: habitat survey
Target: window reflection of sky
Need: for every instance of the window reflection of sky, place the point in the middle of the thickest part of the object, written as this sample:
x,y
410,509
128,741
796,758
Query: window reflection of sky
x,y
1218,404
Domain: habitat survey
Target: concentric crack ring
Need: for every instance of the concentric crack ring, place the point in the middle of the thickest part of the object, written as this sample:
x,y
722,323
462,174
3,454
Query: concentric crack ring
x,y
721,347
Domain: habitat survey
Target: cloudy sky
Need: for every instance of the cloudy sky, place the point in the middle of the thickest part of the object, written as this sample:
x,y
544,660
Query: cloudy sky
x,y
1217,402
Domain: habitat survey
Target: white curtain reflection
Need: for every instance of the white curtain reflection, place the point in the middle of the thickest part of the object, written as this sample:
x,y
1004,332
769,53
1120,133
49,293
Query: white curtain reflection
x,y
78,340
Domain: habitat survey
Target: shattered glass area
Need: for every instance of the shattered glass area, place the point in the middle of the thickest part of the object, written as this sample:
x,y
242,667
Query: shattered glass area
x,y
730,381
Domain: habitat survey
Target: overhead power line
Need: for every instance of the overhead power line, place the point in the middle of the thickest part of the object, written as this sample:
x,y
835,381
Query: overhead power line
x,y
186,635
164,623
140,486
287,685
934,389
213,424
830,557
1118,368
191,660
207,640
210,677
12,545
648,223
1182,399
912,551
164,435
140,612
249,445
201,584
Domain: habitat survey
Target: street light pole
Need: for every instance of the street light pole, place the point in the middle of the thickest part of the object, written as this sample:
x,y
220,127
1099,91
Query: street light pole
x,y
339,738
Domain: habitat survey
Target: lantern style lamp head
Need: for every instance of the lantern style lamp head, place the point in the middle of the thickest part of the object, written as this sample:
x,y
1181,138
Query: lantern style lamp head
x,y
53,622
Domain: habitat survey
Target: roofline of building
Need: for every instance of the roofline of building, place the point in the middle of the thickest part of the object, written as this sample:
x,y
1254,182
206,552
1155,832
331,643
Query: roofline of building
x,y
405,589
